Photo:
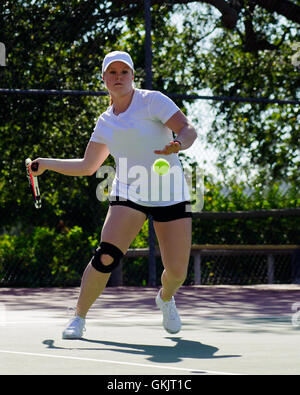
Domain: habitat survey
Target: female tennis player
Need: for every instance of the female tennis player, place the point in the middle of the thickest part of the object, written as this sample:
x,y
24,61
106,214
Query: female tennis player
x,y
136,129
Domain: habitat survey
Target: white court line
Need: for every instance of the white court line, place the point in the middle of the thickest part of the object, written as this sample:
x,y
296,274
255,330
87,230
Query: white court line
x,y
116,362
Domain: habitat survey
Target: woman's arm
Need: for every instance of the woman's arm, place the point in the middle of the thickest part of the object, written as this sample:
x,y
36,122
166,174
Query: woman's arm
x,y
95,155
185,134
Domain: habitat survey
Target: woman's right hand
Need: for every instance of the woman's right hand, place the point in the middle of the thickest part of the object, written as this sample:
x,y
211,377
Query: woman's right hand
x,y
41,167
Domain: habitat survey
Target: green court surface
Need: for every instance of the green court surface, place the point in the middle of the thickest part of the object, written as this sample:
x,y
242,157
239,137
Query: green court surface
x,y
227,330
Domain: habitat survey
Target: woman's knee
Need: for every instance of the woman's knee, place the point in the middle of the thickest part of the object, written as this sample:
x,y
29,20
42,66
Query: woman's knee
x,y
178,275
106,259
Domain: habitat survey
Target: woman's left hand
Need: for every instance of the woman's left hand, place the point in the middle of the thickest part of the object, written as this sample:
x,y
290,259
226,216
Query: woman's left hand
x,y
172,148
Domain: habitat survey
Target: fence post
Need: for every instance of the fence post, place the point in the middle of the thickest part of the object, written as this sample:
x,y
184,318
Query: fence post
x,y
148,44
148,84
270,269
152,261
197,269
116,277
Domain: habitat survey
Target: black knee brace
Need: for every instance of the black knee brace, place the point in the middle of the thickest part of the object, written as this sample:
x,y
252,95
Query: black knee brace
x,y
109,249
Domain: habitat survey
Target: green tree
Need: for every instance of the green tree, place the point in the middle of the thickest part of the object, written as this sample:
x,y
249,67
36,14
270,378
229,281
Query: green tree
x,y
253,59
51,45
60,45
192,51
267,135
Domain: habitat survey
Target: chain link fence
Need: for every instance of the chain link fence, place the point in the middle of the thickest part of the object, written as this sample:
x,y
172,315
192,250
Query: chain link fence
x,y
58,257
53,246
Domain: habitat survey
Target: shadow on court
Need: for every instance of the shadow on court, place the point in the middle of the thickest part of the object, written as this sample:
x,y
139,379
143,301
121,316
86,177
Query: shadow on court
x,y
217,301
231,329
154,353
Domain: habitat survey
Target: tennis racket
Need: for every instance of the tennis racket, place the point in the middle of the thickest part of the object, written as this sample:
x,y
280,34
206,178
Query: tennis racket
x,y
33,182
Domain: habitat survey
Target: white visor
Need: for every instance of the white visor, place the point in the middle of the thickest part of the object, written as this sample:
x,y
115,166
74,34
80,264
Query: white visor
x,y
117,56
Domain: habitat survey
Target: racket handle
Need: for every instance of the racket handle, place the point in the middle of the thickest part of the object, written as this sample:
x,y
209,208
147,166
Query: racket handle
x,y
35,166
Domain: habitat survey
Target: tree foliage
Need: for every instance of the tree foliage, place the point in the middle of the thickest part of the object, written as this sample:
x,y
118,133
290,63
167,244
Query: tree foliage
x,y
260,137
50,45
60,45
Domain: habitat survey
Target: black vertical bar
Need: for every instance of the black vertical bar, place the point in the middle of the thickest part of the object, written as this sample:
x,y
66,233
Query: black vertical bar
x,y
152,262
148,83
148,44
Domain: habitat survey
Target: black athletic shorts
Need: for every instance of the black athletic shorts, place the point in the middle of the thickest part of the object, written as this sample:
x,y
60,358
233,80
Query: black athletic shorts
x,y
158,213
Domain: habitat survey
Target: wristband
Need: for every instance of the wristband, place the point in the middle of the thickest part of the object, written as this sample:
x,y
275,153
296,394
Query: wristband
x,y
177,141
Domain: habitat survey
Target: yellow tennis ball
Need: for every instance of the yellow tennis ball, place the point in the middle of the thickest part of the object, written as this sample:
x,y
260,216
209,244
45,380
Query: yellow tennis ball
x,y
161,166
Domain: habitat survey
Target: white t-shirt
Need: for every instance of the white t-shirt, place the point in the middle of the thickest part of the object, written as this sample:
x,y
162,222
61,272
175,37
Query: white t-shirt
x,y
132,137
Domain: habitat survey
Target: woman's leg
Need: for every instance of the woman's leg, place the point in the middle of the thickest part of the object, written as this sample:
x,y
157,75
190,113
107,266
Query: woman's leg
x,y
121,226
175,239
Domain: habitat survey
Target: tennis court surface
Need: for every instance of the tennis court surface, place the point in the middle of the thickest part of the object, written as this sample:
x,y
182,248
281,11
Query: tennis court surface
x,y
226,330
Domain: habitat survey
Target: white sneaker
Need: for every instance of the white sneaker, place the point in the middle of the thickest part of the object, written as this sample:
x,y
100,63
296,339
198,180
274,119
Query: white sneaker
x,y
74,329
171,319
